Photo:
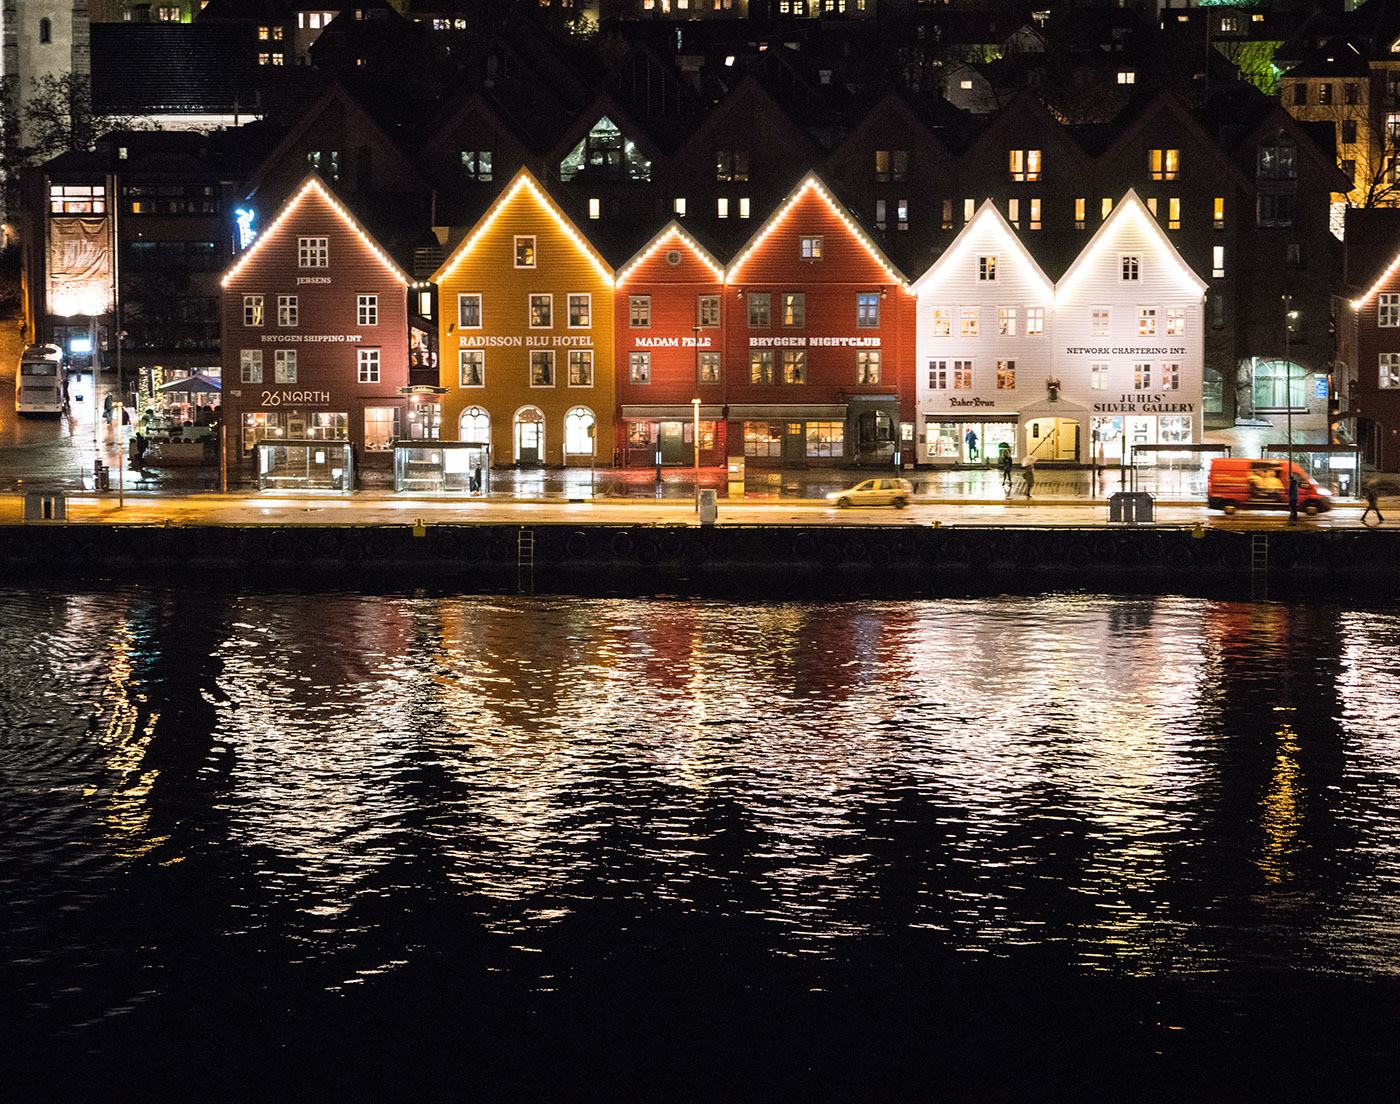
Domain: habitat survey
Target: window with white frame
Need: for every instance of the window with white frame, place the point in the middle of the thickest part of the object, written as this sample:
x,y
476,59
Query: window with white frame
x,y
471,368
1035,321
1098,321
707,311
580,311
1098,377
794,365
1147,321
942,322
525,251
760,310
1142,377
1131,263
709,368
469,311
868,366
541,312
1388,310
1389,370
811,245
639,312
987,267
367,310
962,375
368,361
1171,377
761,366
542,368
580,367
794,308
1006,321
579,431
1006,375
639,367
287,311
250,362
1176,321
938,375
968,326
313,253
867,310
284,366
252,310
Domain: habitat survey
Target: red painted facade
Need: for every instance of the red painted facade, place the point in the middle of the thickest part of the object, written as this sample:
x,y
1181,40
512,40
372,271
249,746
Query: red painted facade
x,y
1368,355
819,346
670,325
315,334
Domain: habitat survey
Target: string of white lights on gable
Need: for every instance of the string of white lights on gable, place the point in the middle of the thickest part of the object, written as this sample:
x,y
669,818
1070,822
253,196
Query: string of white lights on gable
x,y
1130,207
673,232
312,184
987,213
524,179
1357,304
811,183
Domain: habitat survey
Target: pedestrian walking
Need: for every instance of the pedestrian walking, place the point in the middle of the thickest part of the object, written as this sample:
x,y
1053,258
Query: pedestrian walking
x,y
971,439
1372,489
1005,465
1293,483
1028,474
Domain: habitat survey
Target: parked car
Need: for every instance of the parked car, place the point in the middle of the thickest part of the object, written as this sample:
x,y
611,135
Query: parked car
x,y
1261,485
874,492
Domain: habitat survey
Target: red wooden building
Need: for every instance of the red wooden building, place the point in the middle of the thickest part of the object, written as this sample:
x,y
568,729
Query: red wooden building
x,y
669,338
819,349
315,348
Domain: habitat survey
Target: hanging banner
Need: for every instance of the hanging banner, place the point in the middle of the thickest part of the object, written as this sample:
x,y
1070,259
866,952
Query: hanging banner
x,y
80,266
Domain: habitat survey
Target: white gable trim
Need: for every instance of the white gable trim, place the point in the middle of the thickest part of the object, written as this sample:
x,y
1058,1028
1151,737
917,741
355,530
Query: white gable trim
x,y
1129,207
953,254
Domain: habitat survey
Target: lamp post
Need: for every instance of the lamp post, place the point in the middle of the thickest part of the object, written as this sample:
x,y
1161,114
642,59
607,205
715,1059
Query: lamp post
x,y
695,404
1288,398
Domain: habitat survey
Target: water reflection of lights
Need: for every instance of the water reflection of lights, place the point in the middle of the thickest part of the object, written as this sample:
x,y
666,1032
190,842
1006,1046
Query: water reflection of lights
x,y
124,742
1281,820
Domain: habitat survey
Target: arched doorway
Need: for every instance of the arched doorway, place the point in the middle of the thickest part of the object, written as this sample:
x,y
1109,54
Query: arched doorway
x,y
579,434
529,435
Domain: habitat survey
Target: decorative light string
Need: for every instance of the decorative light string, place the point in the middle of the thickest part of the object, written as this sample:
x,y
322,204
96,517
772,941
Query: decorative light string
x,y
1129,207
671,231
987,212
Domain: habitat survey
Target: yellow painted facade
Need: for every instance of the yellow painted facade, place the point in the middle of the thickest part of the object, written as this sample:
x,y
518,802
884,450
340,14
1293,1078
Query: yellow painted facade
x,y
526,335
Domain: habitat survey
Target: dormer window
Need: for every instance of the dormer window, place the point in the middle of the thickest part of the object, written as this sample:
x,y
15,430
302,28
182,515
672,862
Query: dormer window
x,y
987,268
1130,266
1278,161
1025,164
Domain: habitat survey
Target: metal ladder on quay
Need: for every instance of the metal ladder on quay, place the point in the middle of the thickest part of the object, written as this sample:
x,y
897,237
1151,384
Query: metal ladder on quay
x,y
1259,565
525,562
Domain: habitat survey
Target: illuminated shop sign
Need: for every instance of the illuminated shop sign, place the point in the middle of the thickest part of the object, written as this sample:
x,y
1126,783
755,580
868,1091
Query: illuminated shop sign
x,y
246,233
671,343
515,341
1130,350
295,398
1143,404
845,342
306,339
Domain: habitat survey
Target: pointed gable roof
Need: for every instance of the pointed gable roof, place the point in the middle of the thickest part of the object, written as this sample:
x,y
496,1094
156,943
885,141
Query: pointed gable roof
x,y
523,182
748,91
1129,208
986,217
1165,103
892,103
811,185
671,232
605,106
313,188
1027,108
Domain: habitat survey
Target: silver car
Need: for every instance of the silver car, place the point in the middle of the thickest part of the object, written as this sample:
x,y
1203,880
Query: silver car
x,y
874,492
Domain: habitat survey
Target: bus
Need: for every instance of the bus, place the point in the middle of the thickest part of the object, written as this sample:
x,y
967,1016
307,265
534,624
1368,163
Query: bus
x,y
39,381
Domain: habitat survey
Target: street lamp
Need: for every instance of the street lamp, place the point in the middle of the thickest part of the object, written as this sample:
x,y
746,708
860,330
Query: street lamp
x,y
695,404
1288,399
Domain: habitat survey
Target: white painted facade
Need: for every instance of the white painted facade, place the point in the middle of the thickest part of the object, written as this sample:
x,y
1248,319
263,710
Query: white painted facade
x,y
1080,371
1129,342
978,382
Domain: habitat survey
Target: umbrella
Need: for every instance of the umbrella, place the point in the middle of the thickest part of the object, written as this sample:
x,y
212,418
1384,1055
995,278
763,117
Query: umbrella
x,y
191,384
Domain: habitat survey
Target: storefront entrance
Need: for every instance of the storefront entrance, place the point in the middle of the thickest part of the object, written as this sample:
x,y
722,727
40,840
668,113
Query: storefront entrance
x,y
671,442
529,436
1052,439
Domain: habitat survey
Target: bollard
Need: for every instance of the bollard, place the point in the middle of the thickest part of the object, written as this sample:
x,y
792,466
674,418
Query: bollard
x,y
420,528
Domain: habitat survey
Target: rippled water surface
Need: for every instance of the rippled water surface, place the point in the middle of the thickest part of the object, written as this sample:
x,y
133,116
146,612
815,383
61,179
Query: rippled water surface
x,y
395,846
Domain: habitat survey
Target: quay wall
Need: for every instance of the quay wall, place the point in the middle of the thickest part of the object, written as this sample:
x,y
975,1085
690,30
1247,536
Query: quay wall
x,y
794,561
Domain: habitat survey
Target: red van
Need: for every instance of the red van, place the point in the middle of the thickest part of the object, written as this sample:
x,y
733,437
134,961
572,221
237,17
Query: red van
x,y
1261,485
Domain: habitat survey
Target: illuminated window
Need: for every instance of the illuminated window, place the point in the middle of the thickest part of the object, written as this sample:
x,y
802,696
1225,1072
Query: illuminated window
x,y
1013,212
987,267
250,362
381,427
1171,377
962,375
367,310
1098,377
794,365
1035,321
1389,376
1035,214
1025,164
891,166
541,368
679,206
867,310
760,310
313,253
1176,321
1079,219
1165,163
1147,321
1142,377
541,311
580,367
579,431
761,366
722,207
868,366
1218,212
471,368
1279,160
707,310
1174,213
1217,265
1006,375
252,310
525,251
469,311
287,311
901,214
794,309
284,366
368,360
605,153
476,165
1130,266
1152,205
595,208
580,311
811,248
1006,322
1105,207
969,209
709,368
968,316
1324,94
1098,321
1388,310
942,322
264,33
1127,76
639,312
639,367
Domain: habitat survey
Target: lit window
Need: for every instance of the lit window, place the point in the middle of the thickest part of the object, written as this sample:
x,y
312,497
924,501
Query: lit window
x,y
968,316
1127,76
1098,377
580,311
969,209
1006,322
794,365
368,365
709,367
901,214
868,366
541,311
1176,321
1174,213
595,208
1171,377
962,375
252,310
794,309
1218,211
1389,370
1098,321
525,251
476,165
722,207
679,206
811,248
1006,375
1165,163
942,322
1035,214
1217,258
743,207
1105,207
1147,321
580,367
867,310
1013,212
367,310
891,166
1142,377
965,84
313,253
987,268
1035,321
761,366
250,362
1025,165
471,367
639,367
1079,220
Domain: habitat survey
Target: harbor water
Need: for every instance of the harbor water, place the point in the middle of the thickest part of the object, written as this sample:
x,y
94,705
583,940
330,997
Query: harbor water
x,y
404,845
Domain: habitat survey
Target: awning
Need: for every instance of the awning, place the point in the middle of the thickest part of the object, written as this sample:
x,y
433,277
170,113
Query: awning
x,y
191,385
788,412
672,413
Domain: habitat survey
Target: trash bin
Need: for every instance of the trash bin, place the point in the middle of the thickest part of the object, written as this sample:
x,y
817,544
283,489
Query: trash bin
x,y
709,508
1116,503
1142,510
45,506
1130,507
